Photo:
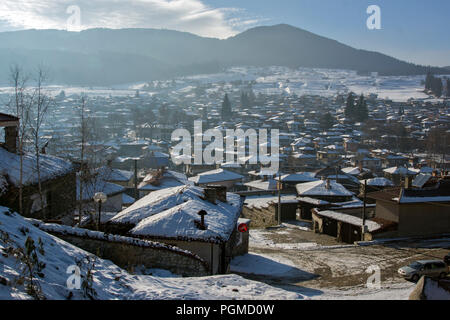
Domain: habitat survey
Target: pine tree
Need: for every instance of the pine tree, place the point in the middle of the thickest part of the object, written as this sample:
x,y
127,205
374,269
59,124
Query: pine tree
x,y
326,121
361,113
226,108
428,81
437,87
245,103
350,105
448,87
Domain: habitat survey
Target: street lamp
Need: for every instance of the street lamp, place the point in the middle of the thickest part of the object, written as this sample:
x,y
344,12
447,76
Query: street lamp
x,y
100,198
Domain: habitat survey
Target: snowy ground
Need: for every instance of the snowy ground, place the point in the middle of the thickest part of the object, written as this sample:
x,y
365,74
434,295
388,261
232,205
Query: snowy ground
x,y
273,80
317,267
110,281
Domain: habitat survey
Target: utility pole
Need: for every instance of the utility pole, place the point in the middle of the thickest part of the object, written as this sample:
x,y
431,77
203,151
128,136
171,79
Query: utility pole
x,y
364,211
136,196
279,198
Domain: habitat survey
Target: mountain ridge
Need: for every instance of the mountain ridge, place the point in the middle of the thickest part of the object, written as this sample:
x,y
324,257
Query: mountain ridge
x,y
115,56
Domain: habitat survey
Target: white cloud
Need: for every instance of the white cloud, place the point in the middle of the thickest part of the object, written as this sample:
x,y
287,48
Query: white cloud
x,y
183,15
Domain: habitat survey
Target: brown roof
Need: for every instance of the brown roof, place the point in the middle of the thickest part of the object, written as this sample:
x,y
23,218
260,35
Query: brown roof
x,y
386,194
7,118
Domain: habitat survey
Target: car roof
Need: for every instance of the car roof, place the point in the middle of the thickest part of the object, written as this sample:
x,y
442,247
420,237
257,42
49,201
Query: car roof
x,y
429,261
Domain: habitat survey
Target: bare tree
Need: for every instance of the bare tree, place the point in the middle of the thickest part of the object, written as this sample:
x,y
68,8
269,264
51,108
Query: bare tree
x,y
21,104
83,130
40,105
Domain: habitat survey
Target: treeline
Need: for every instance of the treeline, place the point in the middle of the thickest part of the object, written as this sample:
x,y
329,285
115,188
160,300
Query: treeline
x,y
437,86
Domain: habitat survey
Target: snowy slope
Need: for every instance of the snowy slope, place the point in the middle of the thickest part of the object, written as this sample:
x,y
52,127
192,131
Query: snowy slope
x,y
110,281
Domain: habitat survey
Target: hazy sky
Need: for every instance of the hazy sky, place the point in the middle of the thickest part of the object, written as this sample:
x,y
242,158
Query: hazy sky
x,y
413,30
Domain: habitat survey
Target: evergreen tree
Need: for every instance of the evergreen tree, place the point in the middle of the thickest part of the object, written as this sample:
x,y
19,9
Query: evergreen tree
x,y
245,103
350,106
361,113
428,81
251,98
226,108
437,87
448,87
326,121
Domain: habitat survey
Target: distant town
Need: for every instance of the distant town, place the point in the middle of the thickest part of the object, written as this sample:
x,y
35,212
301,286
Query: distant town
x,y
362,184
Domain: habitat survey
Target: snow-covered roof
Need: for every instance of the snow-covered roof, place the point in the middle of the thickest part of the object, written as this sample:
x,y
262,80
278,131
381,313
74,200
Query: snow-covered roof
x,y
157,202
405,199
403,171
214,176
126,199
319,188
110,174
269,184
90,188
299,176
379,182
50,167
355,221
179,222
264,201
354,171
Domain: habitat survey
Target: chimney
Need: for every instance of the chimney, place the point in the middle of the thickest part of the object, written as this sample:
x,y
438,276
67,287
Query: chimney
x,y
407,182
202,225
221,192
211,195
328,185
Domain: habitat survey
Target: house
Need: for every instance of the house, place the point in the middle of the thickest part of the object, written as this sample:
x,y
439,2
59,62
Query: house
x,y
95,184
162,179
289,181
322,192
347,228
121,177
398,174
375,184
417,211
218,177
262,185
171,216
262,209
57,178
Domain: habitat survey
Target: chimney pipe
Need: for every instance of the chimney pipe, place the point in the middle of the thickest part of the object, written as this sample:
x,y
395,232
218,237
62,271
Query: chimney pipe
x,y
202,225
328,185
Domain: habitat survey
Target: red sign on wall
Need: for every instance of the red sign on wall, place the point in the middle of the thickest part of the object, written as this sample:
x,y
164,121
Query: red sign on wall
x,y
243,228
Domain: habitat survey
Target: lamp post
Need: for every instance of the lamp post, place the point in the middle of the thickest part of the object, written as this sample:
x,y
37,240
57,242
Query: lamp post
x,y
100,198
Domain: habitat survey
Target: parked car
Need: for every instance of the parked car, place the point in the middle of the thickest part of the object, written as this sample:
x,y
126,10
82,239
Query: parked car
x,y
447,259
430,268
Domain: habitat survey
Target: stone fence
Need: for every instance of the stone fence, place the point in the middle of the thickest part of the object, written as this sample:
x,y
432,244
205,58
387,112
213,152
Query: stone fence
x,y
129,253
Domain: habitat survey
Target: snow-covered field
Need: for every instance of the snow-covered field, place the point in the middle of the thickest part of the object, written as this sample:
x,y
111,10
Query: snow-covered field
x,y
323,82
109,281
270,80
